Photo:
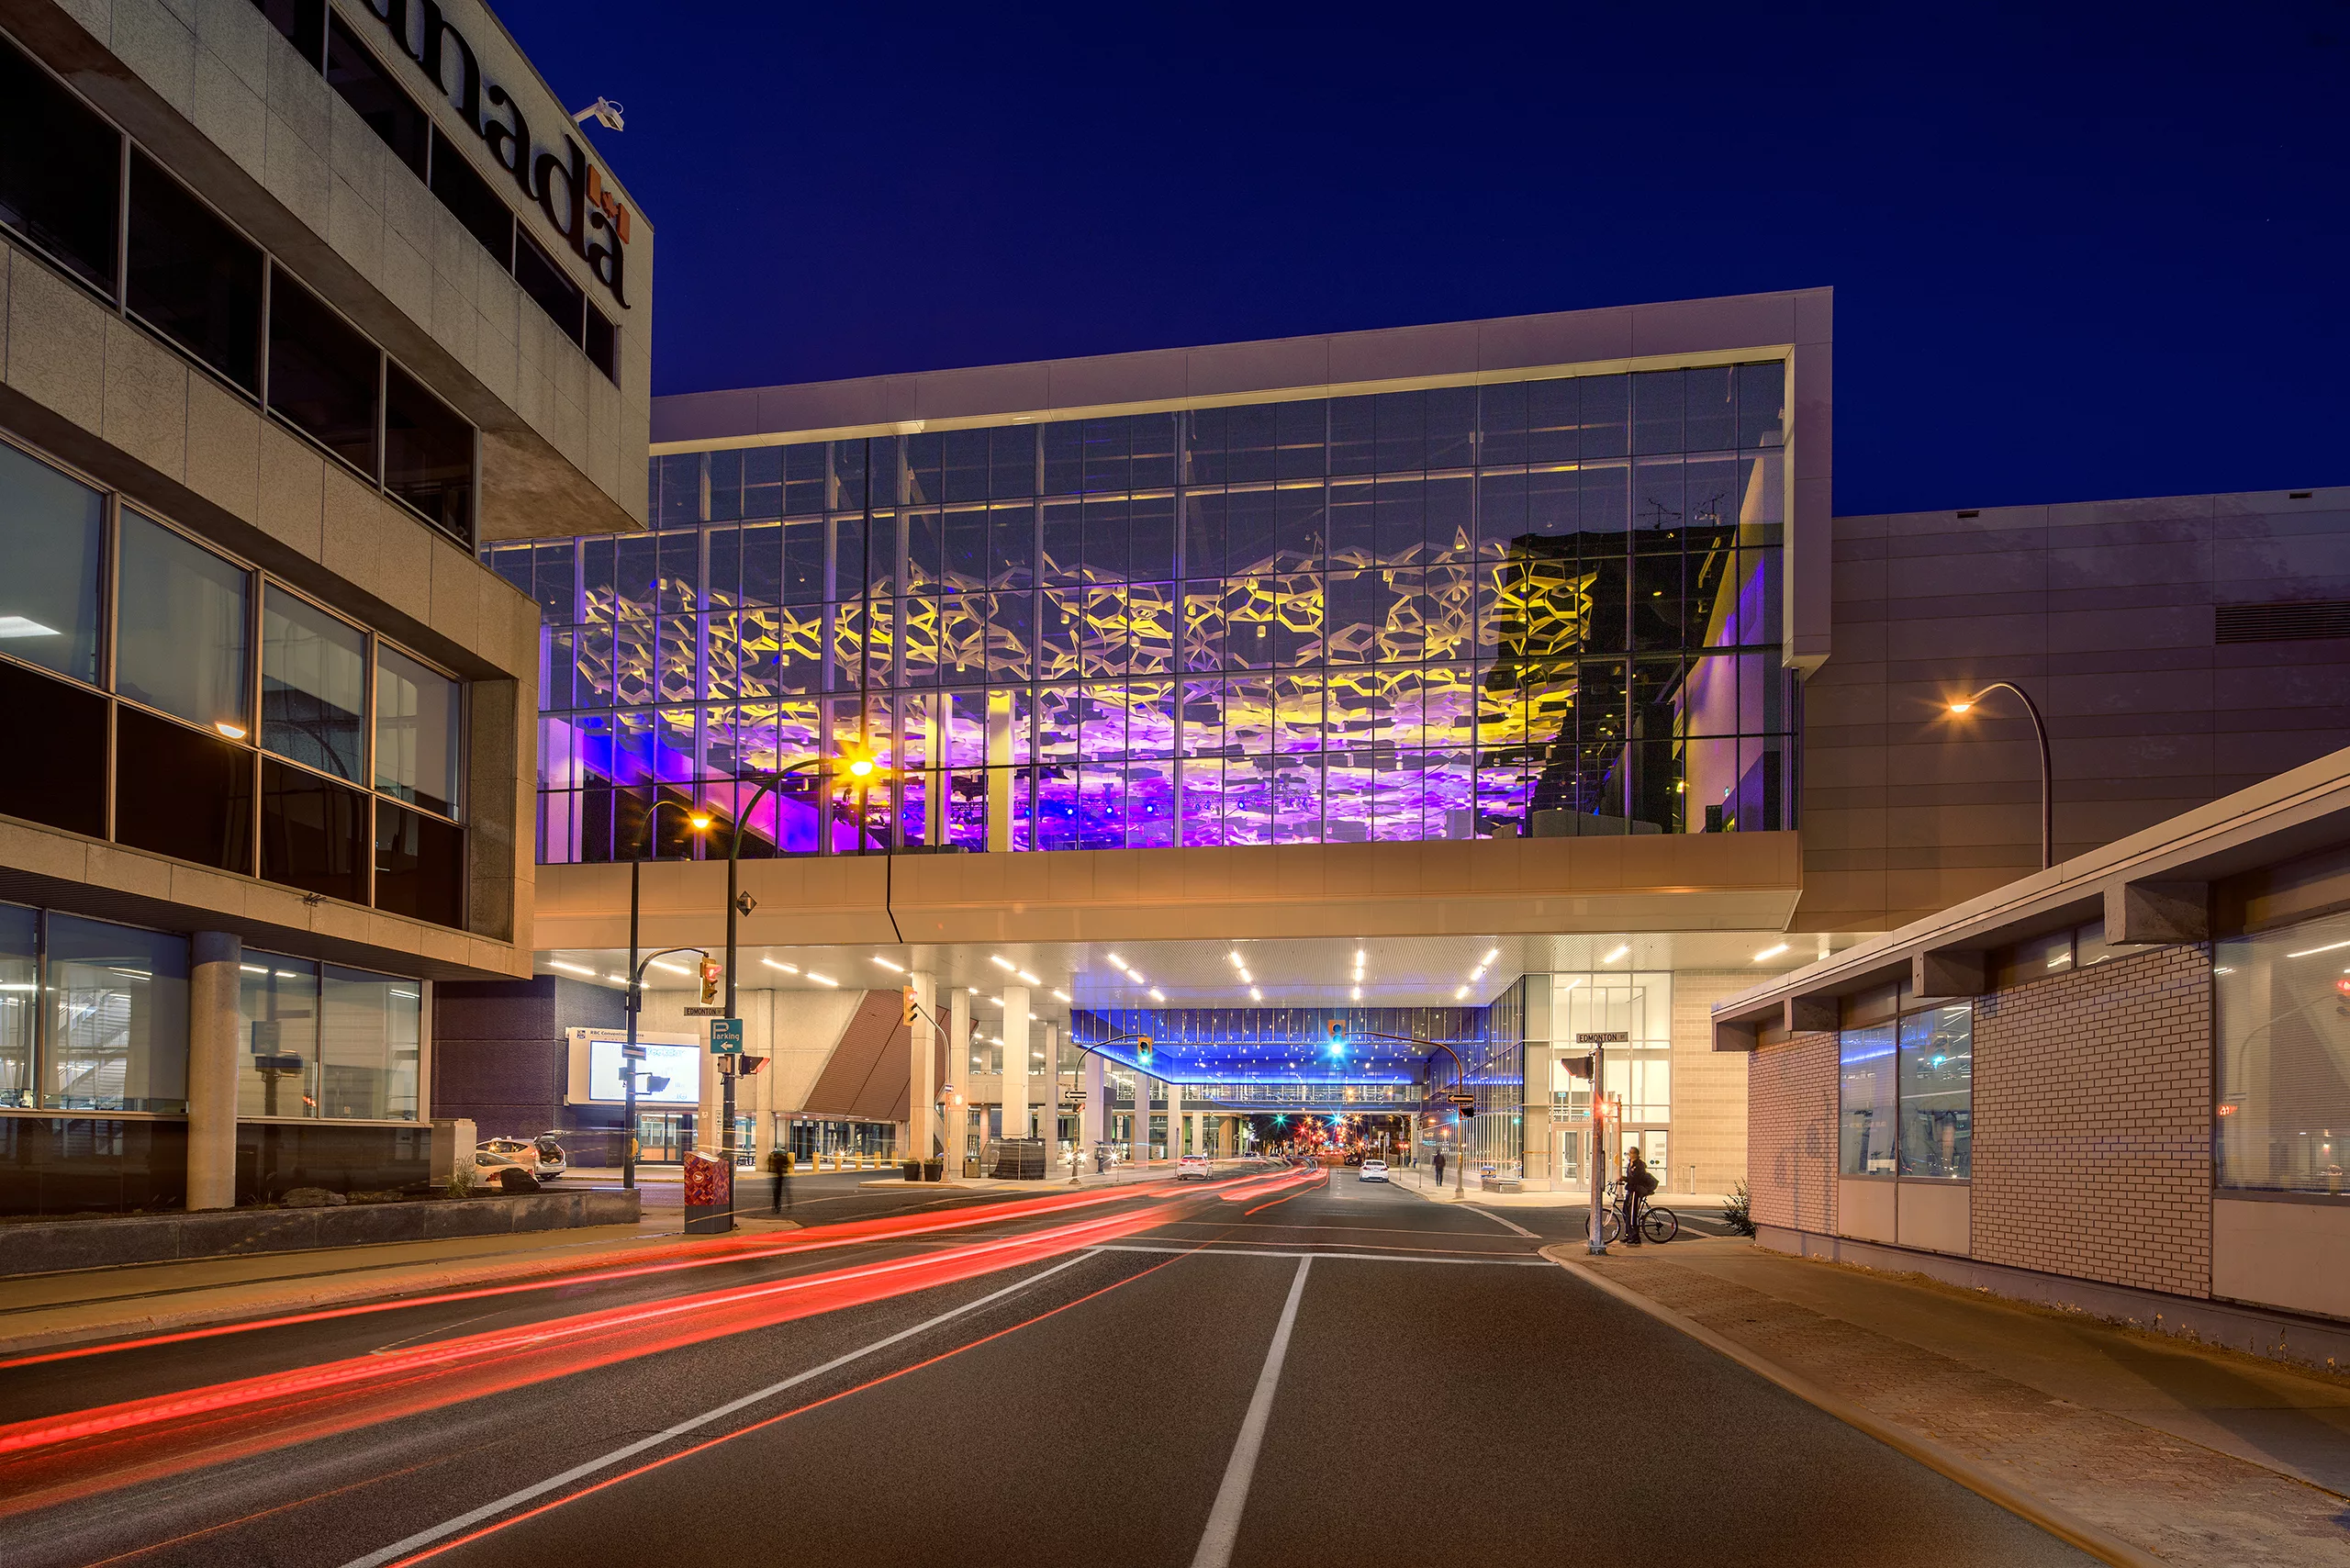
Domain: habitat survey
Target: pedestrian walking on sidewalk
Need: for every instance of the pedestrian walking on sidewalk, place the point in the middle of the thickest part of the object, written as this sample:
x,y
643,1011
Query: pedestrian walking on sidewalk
x,y
1638,1184
779,1168
1439,1167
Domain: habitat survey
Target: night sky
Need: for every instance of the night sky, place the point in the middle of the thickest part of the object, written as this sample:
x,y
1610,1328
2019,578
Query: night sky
x,y
2098,252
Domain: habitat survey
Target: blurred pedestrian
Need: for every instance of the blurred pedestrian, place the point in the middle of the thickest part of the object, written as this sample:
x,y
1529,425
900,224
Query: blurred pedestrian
x,y
780,1169
1439,1167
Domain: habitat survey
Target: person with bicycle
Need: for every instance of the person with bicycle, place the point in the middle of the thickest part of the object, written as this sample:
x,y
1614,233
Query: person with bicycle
x,y
1638,1184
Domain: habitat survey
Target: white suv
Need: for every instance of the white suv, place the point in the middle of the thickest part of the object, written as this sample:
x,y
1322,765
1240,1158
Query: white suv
x,y
1373,1170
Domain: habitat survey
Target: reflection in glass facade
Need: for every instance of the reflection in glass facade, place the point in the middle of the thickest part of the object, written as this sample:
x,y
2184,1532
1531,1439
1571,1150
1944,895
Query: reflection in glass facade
x,y
1545,606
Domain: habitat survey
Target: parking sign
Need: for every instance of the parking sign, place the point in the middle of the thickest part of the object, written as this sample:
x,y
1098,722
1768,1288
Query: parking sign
x,y
726,1036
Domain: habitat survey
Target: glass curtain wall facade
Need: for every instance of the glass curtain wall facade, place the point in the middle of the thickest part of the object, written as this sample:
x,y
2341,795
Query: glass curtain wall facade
x,y
1541,607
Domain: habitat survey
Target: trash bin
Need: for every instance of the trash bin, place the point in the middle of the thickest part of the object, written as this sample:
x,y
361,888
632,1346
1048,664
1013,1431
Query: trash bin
x,y
709,1194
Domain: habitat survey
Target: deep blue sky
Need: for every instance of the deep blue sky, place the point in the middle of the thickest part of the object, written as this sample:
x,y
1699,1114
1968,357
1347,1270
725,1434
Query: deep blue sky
x,y
2093,255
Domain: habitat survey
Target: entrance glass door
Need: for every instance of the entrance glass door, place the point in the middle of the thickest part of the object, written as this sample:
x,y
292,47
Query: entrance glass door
x,y
661,1139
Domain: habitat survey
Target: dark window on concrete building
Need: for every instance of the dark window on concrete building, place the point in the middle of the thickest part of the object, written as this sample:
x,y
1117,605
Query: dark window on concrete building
x,y
603,344
466,193
61,171
193,277
428,456
313,832
184,793
67,787
322,374
368,88
304,24
546,283
419,865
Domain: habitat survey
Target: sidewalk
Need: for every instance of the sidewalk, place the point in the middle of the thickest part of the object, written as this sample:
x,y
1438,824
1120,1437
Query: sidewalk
x,y
1420,1179
2138,1447
43,1310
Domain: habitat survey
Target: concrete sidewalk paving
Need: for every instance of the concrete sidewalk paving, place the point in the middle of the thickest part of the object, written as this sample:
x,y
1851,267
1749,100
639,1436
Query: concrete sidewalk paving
x,y
2138,1446
1420,1179
40,1311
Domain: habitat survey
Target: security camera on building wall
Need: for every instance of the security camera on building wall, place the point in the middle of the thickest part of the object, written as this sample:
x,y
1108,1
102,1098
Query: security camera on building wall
x,y
603,111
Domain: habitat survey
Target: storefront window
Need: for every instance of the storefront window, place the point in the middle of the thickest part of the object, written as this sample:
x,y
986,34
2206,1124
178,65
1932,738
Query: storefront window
x,y
1938,1092
117,1001
2283,1012
277,1005
329,1043
1865,1126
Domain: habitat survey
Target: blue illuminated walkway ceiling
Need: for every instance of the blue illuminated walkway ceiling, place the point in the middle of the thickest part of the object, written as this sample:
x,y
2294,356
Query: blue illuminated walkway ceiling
x,y
1279,1045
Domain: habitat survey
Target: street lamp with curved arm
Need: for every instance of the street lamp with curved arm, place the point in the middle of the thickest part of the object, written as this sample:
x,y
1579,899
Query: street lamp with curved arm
x,y
859,768
2047,775
699,821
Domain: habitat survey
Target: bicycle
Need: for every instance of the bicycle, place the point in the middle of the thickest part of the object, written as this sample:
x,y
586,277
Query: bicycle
x,y
1657,1225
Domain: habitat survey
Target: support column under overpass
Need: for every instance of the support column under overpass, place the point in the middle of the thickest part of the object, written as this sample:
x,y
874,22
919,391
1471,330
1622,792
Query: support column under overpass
x,y
922,1096
1015,1061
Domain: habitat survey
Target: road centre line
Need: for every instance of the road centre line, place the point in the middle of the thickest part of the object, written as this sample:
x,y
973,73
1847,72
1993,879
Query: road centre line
x,y
1232,1498
693,1423
1237,1250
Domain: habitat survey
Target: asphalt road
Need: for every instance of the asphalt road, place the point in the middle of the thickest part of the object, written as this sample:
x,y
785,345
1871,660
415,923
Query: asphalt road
x,y
1199,1376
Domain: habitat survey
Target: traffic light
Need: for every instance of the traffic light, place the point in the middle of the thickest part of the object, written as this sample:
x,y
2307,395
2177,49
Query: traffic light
x,y
654,1084
1142,1050
746,1067
913,1010
710,969
1337,1037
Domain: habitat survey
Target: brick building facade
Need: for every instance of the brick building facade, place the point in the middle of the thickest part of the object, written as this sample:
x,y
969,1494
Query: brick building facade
x,y
1791,1134
2093,1123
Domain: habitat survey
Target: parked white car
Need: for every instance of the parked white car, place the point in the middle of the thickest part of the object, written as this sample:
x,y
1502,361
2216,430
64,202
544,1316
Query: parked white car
x,y
1373,1170
1194,1168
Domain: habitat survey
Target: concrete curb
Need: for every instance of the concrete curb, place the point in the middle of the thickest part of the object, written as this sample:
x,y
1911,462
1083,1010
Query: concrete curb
x,y
2064,1526
308,1292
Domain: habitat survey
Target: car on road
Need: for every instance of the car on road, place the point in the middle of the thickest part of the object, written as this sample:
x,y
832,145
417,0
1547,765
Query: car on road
x,y
1373,1170
520,1151
553,1161
509,1168
1194,1167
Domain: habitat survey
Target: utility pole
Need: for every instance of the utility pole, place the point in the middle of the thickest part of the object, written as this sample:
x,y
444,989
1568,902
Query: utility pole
x,y
1599,1042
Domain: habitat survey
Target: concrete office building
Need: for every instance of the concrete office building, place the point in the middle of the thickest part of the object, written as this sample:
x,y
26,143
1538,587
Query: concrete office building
x,y
297,313
1479,686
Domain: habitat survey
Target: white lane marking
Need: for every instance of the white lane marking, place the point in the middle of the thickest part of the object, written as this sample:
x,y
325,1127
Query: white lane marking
x,y
1223,1519
1241,1251
691,1423
1503,1223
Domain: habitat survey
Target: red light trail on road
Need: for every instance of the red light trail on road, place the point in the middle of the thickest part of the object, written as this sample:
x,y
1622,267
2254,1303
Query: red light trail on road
x,y
702,1254
57,1458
